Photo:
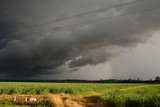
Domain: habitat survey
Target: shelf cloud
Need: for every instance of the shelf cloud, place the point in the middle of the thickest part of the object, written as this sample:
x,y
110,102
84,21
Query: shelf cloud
x,y
27,50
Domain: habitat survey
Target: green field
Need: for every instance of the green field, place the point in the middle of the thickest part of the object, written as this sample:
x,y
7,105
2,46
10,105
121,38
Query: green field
x,y
111,94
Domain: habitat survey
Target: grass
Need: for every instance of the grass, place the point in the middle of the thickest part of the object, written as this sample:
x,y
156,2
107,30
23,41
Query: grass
x,y
55,88
2,105
132,98
112,94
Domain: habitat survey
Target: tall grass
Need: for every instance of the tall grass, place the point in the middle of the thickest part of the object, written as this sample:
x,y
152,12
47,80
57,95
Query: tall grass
x,y
112,94
55,88
138,97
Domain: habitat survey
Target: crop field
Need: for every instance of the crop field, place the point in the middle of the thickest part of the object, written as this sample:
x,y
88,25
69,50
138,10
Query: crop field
x,y
79,94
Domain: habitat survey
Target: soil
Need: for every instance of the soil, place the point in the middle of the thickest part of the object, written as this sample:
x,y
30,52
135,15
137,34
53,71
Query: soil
x,y
54,100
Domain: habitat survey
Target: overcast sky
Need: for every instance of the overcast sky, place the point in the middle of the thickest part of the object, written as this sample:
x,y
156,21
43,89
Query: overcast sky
x,y
79,39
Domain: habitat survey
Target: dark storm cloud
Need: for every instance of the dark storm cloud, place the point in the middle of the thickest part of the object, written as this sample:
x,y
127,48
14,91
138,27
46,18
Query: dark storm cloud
x,y
24,54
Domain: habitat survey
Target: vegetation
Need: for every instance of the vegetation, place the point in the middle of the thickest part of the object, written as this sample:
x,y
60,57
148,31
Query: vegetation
x,y
139,97
2,105
111,94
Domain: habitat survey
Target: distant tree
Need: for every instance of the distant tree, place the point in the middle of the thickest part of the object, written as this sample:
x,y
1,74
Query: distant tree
x,y
157,78
101,80
150,79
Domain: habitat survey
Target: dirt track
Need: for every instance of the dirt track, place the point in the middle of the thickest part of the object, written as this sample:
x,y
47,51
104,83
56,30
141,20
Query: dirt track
x,y
56,100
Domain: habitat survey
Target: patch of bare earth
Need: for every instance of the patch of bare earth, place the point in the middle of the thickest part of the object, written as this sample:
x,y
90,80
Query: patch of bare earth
x,y
54,100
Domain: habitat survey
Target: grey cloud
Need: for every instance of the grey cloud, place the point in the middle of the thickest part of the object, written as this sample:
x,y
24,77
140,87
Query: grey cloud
x,y
95,56
24,54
